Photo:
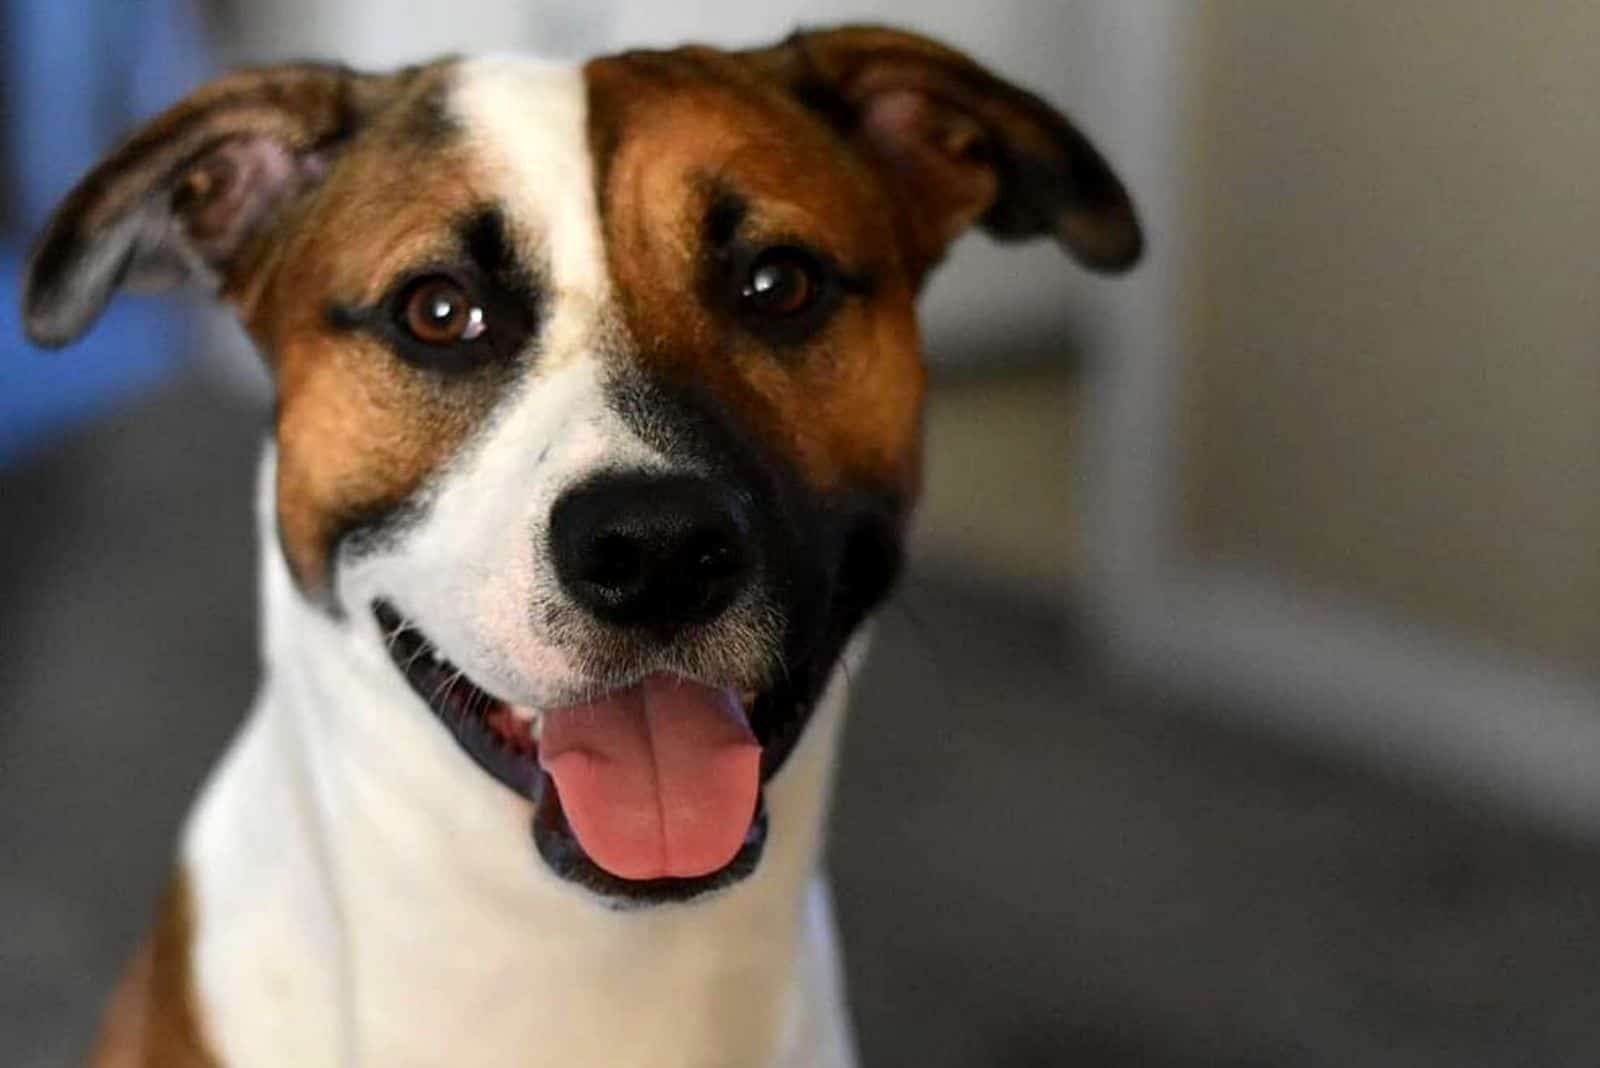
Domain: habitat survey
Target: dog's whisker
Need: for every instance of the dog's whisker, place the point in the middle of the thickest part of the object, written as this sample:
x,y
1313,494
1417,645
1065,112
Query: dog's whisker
x,y
445,688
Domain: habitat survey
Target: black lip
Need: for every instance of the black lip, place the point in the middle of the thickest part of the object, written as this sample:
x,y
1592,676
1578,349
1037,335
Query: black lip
x,y
456,701
777,719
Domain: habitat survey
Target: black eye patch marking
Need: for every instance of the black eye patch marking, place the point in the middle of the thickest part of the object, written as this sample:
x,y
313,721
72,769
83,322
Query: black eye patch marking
x,y
488,292
725,215
487,241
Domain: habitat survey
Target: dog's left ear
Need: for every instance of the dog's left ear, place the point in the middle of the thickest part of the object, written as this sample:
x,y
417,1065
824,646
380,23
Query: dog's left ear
x,y
957,146
181,199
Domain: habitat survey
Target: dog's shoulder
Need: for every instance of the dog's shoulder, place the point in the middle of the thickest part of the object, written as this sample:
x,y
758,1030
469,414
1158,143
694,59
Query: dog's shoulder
x,y
151,1021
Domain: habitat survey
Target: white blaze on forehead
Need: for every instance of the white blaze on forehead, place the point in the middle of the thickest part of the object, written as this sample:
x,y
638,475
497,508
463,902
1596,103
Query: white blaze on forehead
x,y
528,121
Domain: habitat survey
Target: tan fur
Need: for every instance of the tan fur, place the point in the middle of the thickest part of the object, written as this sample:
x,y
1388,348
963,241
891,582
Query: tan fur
x,y
668,131
152,1020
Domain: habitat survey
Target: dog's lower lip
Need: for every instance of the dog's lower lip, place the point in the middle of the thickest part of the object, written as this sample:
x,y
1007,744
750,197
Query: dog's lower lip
x,y
503,741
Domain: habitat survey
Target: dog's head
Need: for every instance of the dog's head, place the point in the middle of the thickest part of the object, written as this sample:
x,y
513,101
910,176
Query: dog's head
x,y
598,389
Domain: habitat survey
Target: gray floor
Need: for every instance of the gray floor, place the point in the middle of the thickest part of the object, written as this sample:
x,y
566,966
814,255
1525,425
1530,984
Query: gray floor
x,y
1031,871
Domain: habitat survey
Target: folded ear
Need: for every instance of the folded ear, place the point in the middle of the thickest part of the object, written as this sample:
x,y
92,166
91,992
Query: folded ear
x,y
957,146
182,199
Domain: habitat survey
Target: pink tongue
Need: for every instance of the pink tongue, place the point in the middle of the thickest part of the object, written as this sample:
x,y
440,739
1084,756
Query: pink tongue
x,y
656,780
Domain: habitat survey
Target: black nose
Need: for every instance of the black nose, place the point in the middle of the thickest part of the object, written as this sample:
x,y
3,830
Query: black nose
x,y
644,550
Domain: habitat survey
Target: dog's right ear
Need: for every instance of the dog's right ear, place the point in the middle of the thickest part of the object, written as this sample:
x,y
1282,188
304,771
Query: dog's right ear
x,y
183,198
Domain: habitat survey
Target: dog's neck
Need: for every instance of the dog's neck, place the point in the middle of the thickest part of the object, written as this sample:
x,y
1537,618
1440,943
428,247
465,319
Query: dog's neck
x,y
350,866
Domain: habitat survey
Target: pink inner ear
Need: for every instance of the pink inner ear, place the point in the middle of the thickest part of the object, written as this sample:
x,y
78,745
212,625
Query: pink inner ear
x,y
901,125
224,197
930,150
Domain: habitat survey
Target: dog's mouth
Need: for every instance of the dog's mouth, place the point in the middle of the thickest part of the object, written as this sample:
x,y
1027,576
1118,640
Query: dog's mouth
x,y
647,793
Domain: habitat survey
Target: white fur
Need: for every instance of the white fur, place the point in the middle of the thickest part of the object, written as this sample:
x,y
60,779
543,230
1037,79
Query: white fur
x,y
364,894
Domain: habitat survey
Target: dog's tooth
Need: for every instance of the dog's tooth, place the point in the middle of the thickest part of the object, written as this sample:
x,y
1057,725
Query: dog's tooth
x,y
527,715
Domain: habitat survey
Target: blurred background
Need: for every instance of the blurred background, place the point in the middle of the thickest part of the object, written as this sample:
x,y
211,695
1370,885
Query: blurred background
x,y
1242,705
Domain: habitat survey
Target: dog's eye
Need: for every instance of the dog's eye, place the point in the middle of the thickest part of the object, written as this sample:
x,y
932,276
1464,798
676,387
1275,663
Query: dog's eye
x,y
445,321
782,283
437,311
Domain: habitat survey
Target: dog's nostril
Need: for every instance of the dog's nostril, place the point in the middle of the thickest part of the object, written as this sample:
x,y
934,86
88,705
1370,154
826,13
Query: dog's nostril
x,y
652,550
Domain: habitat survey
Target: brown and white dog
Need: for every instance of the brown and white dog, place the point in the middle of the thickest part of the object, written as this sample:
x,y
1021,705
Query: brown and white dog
x,y
598,417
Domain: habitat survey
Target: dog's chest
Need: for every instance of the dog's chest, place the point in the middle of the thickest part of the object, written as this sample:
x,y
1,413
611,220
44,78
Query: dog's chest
x,y
505,988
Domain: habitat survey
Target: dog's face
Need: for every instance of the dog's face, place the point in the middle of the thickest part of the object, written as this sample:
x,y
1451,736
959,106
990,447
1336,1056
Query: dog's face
x,y
599,389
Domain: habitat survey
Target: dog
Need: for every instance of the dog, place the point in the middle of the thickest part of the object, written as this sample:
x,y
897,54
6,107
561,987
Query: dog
x,y
597,432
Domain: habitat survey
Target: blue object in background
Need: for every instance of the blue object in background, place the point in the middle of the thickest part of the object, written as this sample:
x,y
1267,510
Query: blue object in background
x,y
135,346
79,75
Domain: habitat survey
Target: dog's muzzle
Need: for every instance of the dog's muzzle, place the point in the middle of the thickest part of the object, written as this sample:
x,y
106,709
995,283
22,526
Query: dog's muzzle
x,y
650,788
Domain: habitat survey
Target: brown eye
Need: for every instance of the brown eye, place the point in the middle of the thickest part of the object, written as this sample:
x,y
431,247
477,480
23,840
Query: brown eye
x,y
438,311
782,282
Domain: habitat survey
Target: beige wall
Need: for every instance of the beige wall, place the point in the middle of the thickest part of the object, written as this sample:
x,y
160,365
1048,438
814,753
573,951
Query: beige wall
x,y
1393,386
996,504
